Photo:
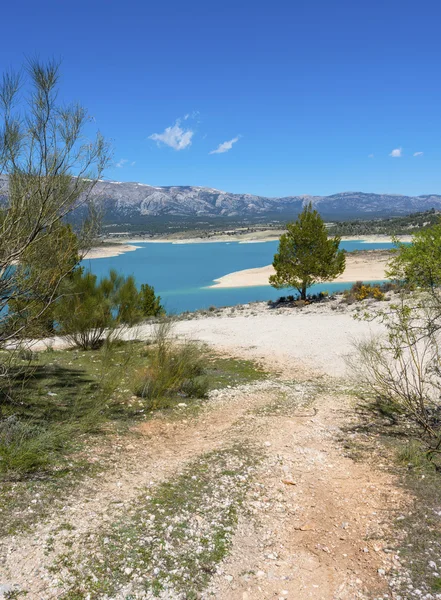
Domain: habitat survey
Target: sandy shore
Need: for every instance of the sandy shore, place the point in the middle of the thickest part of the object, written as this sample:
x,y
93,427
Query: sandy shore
x,y
109,251
364,266
255,237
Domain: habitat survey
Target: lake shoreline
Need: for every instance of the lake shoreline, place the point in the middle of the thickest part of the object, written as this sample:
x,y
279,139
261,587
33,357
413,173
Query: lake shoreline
x,y
364,265
242,239
109,251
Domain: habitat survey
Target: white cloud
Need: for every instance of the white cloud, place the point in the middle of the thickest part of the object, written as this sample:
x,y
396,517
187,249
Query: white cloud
x,y
121,163
133,163
225,146
396,153
370,156
418,153
174,136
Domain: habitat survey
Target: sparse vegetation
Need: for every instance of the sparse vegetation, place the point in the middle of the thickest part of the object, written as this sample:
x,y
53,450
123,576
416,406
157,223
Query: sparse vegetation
x,y
173,370
63,403
402,367
173,537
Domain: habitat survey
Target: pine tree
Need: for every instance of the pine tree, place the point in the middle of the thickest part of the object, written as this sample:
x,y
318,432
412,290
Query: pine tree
x,y
305,255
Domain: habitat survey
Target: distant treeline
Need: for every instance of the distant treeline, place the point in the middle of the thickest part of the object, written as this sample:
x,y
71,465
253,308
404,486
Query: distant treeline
x,y
389,226
209,226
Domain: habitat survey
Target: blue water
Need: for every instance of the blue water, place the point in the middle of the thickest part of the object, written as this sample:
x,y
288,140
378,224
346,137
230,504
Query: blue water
x,y
180,273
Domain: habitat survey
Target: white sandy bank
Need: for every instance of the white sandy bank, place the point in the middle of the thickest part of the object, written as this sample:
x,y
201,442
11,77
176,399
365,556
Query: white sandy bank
x,y
363,267
109,251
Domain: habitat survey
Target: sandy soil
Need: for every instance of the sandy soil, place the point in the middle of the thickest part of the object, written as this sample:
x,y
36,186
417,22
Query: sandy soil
x,y
365,266
109,251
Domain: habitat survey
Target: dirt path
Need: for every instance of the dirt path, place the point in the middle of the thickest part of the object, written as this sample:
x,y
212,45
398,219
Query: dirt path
x,y
320,528
313,523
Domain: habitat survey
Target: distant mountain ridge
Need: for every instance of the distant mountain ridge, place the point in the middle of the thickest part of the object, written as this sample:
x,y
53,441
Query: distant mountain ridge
x,y
136,200
132,202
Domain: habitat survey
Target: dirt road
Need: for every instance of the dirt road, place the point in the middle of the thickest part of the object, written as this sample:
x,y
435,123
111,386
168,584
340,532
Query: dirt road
x,y
253,499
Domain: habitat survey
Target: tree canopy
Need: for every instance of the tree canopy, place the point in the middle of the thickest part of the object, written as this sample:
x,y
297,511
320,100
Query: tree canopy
x,y
305,255
419,263
89,311
50,168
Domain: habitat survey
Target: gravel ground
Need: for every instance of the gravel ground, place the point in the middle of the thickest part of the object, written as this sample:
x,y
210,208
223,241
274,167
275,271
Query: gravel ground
x,y
317,336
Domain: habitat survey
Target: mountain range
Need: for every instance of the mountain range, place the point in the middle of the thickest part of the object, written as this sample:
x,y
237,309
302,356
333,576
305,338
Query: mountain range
x,y
134,202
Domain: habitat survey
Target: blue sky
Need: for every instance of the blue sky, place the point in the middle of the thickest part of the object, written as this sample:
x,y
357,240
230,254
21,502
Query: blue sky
x,y
306,97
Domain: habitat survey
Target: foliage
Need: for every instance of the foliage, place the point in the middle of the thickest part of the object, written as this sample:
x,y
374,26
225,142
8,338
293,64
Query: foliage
x,y
361,291
305,255
386,226
89,311
83,312
175,369
418,264
150,304
51,170
402,368
54,259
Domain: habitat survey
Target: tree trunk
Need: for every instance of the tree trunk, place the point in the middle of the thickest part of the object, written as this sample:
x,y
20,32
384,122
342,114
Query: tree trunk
x,y
303,292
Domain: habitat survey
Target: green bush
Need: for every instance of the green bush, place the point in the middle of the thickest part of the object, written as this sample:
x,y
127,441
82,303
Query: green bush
x,y
361,291
88,311
174,370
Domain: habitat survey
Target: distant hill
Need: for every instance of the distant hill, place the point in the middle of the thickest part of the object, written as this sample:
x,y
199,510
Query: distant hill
x,y
133,203
387,226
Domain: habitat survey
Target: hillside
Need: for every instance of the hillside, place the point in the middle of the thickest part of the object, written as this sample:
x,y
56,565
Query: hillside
x,y
387,226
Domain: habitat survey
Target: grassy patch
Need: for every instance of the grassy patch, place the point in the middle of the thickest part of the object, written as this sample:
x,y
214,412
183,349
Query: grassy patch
x,y
223,371
174,536
63,402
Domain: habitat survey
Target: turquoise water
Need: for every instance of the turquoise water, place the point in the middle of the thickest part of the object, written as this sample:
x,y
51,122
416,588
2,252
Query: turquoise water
x,y
180,273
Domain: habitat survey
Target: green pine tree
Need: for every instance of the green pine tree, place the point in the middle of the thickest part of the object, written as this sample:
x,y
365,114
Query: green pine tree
x,y
305,255
418,264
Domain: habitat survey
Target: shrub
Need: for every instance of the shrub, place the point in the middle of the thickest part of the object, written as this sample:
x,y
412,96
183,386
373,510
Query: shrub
x,y
26,446
174,370
150,304
361,291
402,368
90,311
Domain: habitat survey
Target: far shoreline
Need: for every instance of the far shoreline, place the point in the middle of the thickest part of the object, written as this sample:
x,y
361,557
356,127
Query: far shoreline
x,y
115,247
251,239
